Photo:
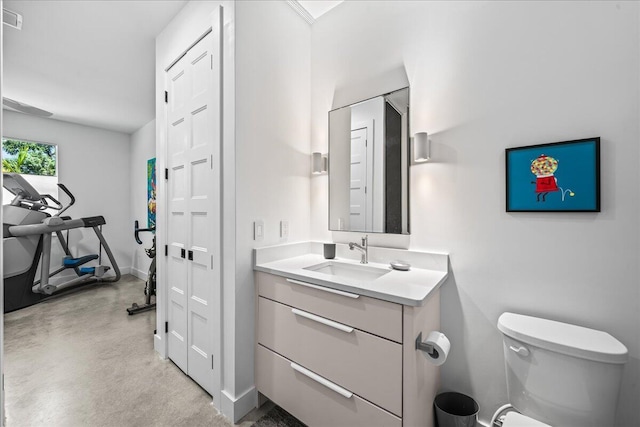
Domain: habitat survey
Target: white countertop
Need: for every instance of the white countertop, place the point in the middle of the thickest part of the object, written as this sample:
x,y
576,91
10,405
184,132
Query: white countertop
x,y
411,287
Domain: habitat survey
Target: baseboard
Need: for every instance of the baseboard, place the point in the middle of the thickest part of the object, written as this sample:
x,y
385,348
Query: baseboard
x,y
158,346
235,409
142,275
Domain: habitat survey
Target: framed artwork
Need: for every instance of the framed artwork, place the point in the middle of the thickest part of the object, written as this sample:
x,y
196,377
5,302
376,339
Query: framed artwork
x,y
557,177
151,193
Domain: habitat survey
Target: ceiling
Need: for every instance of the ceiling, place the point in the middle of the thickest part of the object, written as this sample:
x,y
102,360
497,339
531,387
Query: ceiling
x,y
317,8
92,62
87,62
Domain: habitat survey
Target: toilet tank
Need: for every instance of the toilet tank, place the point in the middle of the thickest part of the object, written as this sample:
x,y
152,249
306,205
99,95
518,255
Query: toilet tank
x,y
561,374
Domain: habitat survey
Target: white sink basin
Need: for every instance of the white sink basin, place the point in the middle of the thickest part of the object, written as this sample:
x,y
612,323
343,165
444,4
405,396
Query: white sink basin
x,y
348,271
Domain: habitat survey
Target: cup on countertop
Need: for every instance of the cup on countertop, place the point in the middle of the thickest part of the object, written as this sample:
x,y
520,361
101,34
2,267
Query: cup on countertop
x,y
329,250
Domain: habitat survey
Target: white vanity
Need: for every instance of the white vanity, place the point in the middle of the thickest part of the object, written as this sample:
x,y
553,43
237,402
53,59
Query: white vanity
x,y
335,340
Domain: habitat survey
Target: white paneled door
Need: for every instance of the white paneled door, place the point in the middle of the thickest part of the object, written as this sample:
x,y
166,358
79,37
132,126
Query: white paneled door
x,y
358,185
193,232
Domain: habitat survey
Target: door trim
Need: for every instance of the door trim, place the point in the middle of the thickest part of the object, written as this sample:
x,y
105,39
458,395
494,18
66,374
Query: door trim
x,y
175,61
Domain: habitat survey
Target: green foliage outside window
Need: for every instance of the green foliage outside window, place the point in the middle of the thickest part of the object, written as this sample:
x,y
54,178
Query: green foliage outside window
x,y
31,158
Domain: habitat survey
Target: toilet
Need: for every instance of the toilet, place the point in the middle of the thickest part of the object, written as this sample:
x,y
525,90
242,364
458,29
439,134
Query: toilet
x,y
559,374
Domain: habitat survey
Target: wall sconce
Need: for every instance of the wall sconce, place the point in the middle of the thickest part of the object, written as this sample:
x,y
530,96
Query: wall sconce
x,y
421,147
318,163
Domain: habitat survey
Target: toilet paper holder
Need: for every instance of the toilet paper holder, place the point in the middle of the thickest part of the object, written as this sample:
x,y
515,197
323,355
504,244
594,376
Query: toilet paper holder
x,y
427,348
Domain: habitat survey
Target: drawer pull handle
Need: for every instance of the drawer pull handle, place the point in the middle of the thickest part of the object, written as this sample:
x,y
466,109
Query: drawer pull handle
x,y
322,288
335,325
325,382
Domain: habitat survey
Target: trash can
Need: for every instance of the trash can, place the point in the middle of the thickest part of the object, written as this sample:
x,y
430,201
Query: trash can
x,y
456,410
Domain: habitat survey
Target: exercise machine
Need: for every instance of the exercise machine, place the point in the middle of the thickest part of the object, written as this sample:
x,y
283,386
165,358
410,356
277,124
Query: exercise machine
x,y
150,285
28,228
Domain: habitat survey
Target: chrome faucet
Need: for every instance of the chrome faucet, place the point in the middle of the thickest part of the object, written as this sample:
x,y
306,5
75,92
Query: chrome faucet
x,y
364,248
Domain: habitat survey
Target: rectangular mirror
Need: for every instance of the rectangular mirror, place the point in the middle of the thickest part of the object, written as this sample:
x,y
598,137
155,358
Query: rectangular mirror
x,y
369,164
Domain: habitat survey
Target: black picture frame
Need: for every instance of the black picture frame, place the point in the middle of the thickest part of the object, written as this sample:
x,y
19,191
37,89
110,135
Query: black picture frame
x,y
554,177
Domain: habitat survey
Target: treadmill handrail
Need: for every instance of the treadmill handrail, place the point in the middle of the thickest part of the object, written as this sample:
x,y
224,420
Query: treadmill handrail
x,y
50,197
35,229
68,193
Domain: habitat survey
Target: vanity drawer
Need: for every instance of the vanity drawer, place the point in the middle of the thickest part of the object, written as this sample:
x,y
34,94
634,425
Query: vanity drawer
x,y
372,315
311,401
367,365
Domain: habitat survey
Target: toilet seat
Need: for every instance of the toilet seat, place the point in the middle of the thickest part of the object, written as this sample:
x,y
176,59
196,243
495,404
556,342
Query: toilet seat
x,y
515,419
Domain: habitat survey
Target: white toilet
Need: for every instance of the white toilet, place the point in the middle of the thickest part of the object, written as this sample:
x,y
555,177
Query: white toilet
x,y
559,374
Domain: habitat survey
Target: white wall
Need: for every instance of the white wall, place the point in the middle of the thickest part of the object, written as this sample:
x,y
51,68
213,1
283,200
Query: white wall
x,y
484,77
340,167
273,161
143,148
94,164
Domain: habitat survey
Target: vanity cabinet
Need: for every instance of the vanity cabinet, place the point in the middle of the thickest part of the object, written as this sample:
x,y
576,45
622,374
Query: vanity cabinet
x,y
335,358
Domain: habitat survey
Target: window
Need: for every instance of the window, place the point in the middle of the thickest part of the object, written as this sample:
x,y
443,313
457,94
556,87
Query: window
x,y
36,161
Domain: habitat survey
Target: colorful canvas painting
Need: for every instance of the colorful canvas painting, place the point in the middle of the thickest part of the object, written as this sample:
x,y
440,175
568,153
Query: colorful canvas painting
x,y
151,193
557,177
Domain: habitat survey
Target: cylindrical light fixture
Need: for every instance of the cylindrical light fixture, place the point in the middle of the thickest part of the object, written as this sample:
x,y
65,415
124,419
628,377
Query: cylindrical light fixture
x,y
318,163
421,147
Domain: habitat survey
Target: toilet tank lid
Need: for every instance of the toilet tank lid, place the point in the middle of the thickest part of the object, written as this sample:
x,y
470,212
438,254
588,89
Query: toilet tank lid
x,y
572,340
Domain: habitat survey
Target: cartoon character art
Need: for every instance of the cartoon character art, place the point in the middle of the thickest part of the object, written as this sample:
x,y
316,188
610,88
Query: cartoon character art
x,y
151,193
543,167
151,203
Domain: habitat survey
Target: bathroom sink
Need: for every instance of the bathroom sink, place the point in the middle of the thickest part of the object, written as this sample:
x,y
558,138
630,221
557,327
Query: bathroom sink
x,y
348,271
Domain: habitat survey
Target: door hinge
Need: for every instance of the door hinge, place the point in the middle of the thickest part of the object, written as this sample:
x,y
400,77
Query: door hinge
x,y
365,190
212,362
166,173
166,327
166,96
166,250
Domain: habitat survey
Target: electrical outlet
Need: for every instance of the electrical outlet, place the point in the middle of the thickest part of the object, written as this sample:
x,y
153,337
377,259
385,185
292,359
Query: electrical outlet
x,y
284,229
258,230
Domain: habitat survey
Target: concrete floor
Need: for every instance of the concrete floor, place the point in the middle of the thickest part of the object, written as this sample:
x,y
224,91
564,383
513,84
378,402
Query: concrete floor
x,y
81,360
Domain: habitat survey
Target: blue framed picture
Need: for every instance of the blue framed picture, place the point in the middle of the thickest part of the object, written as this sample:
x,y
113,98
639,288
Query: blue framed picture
x,y
557,177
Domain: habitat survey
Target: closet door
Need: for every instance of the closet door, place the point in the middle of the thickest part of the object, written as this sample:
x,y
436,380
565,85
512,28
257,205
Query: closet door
x,y
358,215
194,211
178,211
